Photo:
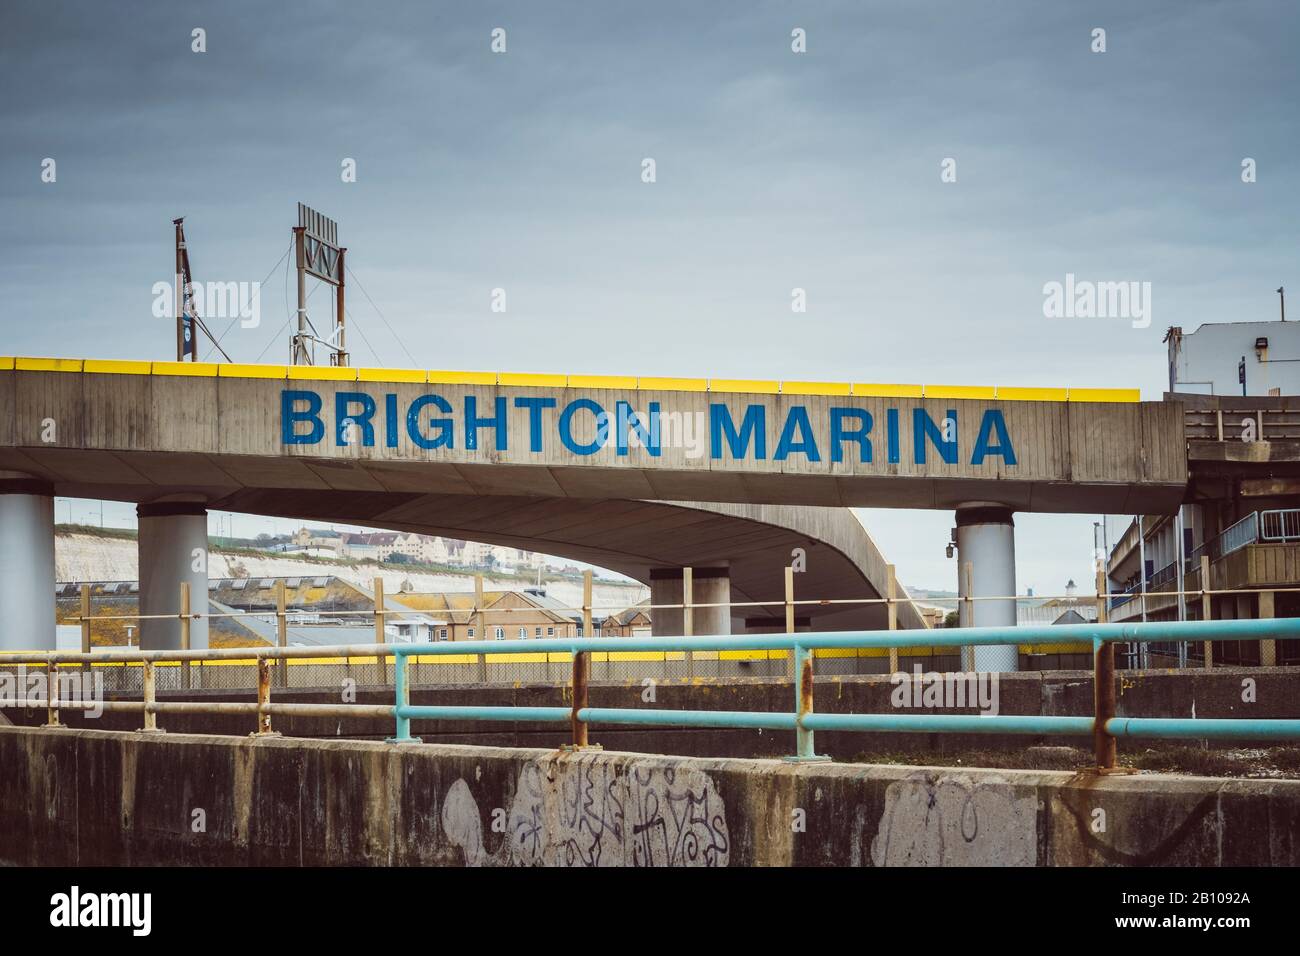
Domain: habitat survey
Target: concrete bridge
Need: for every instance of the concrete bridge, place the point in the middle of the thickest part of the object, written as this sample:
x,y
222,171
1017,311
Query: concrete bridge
x,y
643,476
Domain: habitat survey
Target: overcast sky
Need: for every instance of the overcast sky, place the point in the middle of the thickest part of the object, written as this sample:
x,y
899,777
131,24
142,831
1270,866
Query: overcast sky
x,y
775,170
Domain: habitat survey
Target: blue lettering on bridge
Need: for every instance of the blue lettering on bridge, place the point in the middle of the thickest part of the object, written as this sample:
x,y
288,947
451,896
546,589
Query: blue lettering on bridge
x,y
432,421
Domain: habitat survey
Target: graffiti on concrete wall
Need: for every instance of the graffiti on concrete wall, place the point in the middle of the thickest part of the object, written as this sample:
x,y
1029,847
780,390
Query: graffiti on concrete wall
x,y
590,810
948,819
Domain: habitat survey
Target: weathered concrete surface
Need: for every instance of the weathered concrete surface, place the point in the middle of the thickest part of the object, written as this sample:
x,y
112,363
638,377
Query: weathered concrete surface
x,y
1050,693
238,437
95,797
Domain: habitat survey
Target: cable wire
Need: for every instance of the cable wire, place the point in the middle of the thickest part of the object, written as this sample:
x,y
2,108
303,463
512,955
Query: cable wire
x,y
414,363
217,341
357,325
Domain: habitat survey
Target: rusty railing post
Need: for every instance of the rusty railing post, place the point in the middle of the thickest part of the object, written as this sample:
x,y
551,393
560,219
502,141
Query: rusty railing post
x,y
1268,646
85,624
281,632
803,704
803,701
52,695
582,671
967,662
479,633
586,604
1207,612
1103,692
185,632
380,636
891,591
1103,612
149,695
789,619
264,698
1103,688
688,614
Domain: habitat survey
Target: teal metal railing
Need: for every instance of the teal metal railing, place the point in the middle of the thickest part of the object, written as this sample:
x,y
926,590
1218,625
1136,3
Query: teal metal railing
x,y
1104,726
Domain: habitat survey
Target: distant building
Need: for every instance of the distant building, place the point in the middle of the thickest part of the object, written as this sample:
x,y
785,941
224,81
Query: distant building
x,y
1070,609
1213,359
1239,383
318,538
630,622
414,547
504,615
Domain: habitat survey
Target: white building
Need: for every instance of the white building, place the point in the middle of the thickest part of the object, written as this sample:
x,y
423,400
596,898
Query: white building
x,y
1211,360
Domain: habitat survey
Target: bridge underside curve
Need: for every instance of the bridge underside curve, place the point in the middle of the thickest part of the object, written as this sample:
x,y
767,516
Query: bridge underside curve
x,y
755,542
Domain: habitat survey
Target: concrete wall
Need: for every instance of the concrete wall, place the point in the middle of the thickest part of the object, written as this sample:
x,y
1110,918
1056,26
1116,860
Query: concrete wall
x,y
220,434
1144,694
91,798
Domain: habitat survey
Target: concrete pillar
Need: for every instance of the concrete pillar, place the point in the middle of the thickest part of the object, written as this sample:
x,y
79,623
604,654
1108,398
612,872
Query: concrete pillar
x,y
708,586
173,547
26,563
986,539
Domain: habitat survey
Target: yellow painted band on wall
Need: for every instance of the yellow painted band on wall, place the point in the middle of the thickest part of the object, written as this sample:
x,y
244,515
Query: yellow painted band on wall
x,y
960,391
1010,393
442,377
205,369
602,381
816,388
673,384
547,380
1105,395
745,385
532,380
525,658
880,390
323,373
417,376
232,370
743,655
112,367
47,365
1070,648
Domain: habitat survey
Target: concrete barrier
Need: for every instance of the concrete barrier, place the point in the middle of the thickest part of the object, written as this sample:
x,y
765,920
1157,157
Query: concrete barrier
x,y
78,797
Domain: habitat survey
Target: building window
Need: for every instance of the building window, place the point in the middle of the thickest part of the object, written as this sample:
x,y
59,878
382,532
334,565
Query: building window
x,y
550,632
470,633
442,633
523,633
537,632
500,634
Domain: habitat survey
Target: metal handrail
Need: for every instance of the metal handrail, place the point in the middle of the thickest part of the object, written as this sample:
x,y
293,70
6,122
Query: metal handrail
x,y
1279,525
1104,726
